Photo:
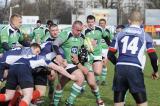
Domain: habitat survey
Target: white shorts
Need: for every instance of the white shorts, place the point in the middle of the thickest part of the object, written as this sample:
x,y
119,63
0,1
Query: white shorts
x,y
104,53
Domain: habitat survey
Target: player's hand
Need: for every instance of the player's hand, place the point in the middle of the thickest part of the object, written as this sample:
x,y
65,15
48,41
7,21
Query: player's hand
x,y
73,78
74,58
59,59
64,64
155,76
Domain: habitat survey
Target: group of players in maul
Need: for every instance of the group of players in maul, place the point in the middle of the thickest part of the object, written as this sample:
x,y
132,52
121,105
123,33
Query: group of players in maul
x,y
80,54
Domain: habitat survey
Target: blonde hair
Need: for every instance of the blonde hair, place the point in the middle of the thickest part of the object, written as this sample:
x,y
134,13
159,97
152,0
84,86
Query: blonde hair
x,y
136,16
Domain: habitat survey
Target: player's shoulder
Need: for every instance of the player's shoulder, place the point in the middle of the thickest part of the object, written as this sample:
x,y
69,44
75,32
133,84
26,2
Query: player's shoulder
x,y
119,35
98,28
86,30
133,30
4,29
82,36
64,33
148,37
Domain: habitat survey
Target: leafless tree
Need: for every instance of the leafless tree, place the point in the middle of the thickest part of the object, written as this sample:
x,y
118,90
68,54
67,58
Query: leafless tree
x,y
104,3
3,11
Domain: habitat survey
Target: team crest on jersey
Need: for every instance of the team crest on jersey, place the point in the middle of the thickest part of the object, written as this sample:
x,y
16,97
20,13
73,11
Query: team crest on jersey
x,y
74,50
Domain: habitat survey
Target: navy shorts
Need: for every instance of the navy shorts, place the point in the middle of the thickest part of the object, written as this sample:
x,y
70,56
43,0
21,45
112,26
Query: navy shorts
x,y
128,77
19,74
40,79
71,70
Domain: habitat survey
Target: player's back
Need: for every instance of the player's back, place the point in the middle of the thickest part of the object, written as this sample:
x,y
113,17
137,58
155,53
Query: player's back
x,y
131,44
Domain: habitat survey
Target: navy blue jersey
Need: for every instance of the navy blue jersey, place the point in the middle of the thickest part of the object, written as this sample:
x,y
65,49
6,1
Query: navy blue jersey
x,y
131,44
13,55
33,61
47,50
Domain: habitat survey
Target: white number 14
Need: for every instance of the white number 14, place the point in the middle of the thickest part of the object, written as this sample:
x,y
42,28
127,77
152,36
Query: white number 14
x,y
132,46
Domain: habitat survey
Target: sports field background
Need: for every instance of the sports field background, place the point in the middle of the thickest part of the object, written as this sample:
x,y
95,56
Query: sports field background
x,y
87,98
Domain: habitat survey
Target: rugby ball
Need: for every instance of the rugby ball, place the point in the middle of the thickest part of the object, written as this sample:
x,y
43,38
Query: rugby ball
x,y
88,44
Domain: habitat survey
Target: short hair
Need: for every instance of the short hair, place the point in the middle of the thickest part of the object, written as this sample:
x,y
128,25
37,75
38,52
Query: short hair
x,y
15,15
39,21
77,22
53,25
90,17
35,45
102,19
50,22
135,16
120,26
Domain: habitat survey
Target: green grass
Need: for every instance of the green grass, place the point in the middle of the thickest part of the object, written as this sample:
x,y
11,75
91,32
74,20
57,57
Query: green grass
x,y
87,99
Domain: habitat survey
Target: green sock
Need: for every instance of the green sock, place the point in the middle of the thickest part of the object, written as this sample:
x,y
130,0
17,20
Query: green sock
x,y
96,93
104,74
51,87
57,96
84,85
97,78
76,89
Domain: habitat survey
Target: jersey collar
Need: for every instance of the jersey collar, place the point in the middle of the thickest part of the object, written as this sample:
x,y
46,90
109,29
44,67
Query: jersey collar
x,y
136,26
13,29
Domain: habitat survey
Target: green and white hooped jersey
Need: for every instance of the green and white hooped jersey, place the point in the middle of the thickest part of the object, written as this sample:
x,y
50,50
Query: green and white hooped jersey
x,y
71,44
10,36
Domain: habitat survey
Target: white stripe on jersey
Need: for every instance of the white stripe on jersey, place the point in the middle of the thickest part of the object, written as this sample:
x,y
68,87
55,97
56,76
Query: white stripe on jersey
x,y
130,64
36,63
50,56
12,58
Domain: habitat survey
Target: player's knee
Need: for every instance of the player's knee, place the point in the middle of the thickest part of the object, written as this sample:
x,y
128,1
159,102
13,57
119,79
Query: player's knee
x,y
140,97
98,73
8,97
42,90
80,79
92,85
119,96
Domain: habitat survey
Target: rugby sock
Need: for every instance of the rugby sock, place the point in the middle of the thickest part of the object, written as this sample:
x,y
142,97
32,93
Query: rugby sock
x,y
97,77
23,103
84,85
96,93
14,99
36,94
76,90
51,87
57,96
104,74
2,98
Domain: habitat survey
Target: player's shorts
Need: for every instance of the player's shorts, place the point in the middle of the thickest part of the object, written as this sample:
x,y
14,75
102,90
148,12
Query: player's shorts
x,y
71,68
19,74
40,79
128,77
104,53
89,66
1,71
